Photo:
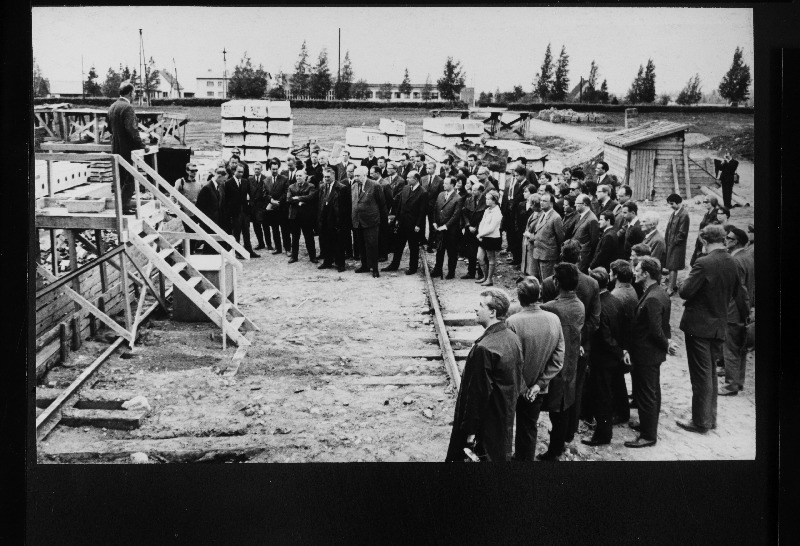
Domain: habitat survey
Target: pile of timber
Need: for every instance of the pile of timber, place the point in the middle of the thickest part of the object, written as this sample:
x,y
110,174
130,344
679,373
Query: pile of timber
x,y
101,171
569,115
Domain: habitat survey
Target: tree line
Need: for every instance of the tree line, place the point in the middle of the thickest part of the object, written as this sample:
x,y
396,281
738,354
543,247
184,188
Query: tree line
x,y
551,84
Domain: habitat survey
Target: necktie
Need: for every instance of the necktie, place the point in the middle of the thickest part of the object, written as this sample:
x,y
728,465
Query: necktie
x,y
541,218
360,189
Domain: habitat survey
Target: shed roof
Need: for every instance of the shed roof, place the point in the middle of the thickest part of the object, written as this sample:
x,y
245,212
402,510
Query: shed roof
x,y
642,133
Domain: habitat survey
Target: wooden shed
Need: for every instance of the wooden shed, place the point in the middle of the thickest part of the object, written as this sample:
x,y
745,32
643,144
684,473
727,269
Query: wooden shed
x,y
652,160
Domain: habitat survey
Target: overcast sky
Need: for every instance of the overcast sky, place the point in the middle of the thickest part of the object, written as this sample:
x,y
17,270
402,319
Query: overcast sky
x,y
498,47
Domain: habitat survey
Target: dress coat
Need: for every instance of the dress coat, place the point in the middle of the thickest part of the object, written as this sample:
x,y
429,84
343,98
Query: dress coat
x,y
448,212
561,391
630,235
210,203
542,341
675,237
411,208
433,188
277,188
123,126
491,383
307,195
606,250
658,248
333,211
608,338
237,198
588,292
396,184
587,234
527,244
548,236
713,281
649,328
367,206
258,197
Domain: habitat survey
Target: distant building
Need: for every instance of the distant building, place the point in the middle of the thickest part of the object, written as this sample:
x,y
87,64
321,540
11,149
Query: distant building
x,y
66,88
467,94
212,85
168,87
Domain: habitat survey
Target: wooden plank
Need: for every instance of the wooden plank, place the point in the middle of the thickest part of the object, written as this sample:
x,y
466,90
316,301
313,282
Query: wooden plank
x,y
688,175
459,319
114,419
399,380
676,187
73,152
108,399
44,355
236,362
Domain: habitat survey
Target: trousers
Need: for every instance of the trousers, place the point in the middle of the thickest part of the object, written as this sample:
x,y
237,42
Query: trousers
x,y
407,234
526,429
558,431
307,227
735,353
646,382
366,243
703,354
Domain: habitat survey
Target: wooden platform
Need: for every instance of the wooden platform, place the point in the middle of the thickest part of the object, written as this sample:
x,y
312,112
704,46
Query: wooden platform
x,y
60,218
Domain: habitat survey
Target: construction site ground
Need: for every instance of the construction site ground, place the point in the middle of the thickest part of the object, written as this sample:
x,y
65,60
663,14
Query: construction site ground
x,y
299,394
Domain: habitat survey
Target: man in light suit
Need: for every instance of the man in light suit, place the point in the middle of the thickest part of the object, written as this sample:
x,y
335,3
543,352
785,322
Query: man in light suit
x,y
125,138
712,283
410,209
548,234
432,184
587,231
367,203
653,237
447,224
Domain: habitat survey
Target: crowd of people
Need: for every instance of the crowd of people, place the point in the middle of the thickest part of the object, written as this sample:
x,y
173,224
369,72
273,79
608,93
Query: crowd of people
x,y
592,304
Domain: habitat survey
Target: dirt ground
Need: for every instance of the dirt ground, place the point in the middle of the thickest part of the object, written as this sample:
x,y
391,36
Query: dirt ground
x,y
302,392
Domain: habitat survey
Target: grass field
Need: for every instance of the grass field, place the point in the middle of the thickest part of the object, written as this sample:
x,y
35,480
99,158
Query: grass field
x,y
327,126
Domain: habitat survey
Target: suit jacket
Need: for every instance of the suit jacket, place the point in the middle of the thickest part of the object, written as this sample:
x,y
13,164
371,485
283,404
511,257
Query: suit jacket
x,y
548,236
123,126
608,338
403,171
675,237
397,184
561,391
739,307
610,205
606,251
258,196
433,185
368,206
511,203
448,212
237,197
569,224
333,210
369,163
411,207
658,249
314,173
542,340
711,284
631,235
306,195
588,292
277,189
587,234
649,328
388,198
210,202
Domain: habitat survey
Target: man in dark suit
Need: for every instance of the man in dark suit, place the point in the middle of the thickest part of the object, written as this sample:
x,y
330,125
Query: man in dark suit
x,y
606,360
278,207
646,349
350,252
653,237
396,182
258,198
382,167
235,161
410,210
334,220
604,200
570,216
675,237
735,348
432,184
314,168
712,283
344,164
624,195
405,165
512,197
448,226
125,138
603,178
606,251
631,231
302,199
237,208
367,199
548,234
210,201
561,396
587,231
370,161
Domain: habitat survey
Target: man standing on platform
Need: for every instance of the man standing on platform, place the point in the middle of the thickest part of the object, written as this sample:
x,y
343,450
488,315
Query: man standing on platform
x,y
125,138
490,386
189,186
237,208
712,283
447,225
410,211
367,199
302,199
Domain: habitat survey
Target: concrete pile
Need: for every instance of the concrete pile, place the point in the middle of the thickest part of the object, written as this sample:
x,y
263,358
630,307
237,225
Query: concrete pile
x,y
439,134
569,115
261,129
389,140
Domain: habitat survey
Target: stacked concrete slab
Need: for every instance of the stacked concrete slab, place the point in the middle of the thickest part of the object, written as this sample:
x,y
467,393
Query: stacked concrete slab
x,y
389,140
438,134
261,129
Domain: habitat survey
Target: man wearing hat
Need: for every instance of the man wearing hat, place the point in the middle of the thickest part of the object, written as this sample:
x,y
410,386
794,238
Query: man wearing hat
x,y
124,139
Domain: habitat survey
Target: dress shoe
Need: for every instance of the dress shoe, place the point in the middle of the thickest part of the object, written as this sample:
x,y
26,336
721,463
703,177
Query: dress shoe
x,y
635,426
437,273
390,268
362,270
468,276
592,442
383,258
279,251
288,253
618,420
292,260
253,254
314,261
259,247
691,427
375,274
410,271
450,276
726,392
341,269
640,442
547,456
325,266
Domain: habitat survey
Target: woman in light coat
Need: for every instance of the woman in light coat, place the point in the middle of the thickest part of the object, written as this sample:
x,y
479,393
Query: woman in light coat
x,y
534,208
489,239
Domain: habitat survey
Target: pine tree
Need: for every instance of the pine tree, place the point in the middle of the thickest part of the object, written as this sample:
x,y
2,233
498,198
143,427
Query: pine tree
x,y
591,94
278,90
452,81
602,95
691,93
90,87
247,82
359,90
648,89
41,85
635,92
543,84
427,89
517,93
345,83
320,81
110,87
561,79
300,79
735,85
405,86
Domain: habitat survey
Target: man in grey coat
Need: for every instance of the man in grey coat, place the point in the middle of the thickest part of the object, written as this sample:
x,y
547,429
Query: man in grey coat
x,y
367,200
548,234
653,237
675,238
735,349
125,138
542,342
587,230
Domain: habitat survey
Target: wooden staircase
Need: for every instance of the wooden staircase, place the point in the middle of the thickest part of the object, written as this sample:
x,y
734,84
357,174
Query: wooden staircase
x,y
193,284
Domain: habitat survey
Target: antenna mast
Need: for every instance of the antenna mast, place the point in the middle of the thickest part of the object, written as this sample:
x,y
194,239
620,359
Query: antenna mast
x,y
141,68
224,74
83,81
176,77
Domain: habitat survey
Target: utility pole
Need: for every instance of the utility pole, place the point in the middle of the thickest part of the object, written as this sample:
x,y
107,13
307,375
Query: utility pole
x,y
339,70
224,74
580,91
83,81
176,77
141,61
